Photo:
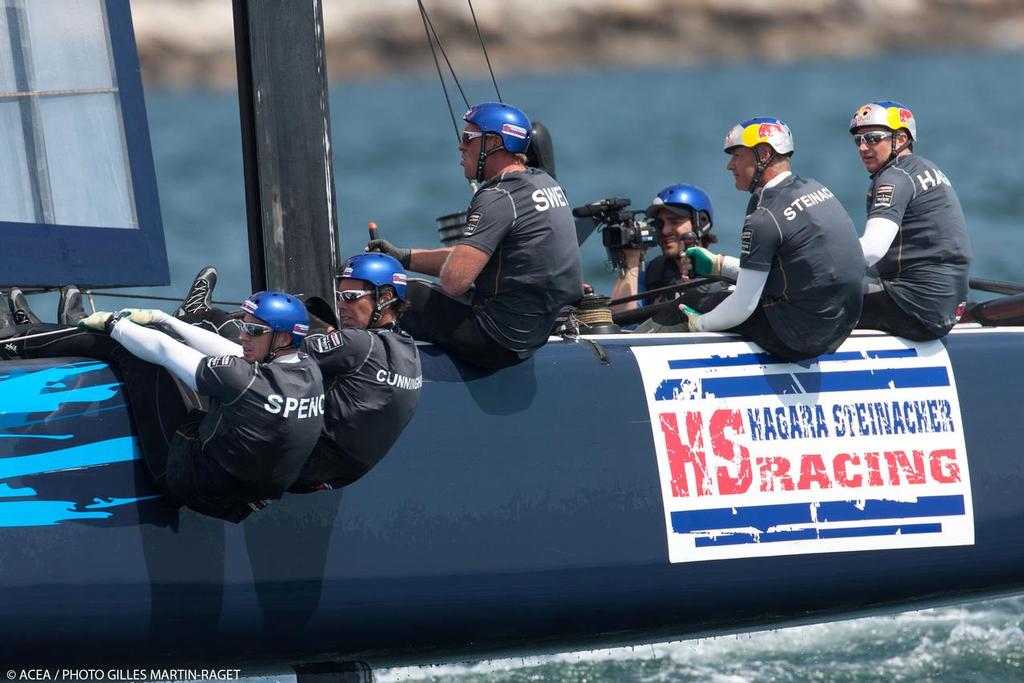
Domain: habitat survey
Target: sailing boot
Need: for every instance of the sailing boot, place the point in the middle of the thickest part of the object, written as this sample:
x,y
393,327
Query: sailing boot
x,y
69,308
198,299
20,310
7,328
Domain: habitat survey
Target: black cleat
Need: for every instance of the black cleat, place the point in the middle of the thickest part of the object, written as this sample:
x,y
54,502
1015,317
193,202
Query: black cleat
x,y
7,328
198,299
69,308
20,310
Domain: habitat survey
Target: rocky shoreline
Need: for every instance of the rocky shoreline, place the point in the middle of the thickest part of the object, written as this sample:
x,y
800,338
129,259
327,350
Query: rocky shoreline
x,y
189,43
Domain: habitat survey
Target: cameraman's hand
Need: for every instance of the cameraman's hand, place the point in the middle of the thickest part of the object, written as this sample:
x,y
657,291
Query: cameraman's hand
x,y
632,257
403,256
705,262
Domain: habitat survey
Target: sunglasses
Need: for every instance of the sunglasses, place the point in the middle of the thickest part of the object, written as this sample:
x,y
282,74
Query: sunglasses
x,y
871,139
256,329
352,295
468,136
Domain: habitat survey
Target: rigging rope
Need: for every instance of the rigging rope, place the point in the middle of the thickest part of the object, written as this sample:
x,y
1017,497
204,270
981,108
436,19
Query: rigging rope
x,y
484,48
428,28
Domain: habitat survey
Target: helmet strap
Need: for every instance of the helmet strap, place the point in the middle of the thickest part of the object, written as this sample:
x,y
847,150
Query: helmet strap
x,y
481,161
273,352
760,167
378,306
895,152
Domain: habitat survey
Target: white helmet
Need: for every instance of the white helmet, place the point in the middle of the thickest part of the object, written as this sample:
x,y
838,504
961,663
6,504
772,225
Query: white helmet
x,y
764,129
885,113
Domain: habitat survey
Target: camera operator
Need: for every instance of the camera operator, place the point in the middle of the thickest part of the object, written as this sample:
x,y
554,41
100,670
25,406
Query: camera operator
x,y
682,217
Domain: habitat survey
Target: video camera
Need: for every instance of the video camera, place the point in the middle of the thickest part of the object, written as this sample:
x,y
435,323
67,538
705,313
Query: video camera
x,y
620,227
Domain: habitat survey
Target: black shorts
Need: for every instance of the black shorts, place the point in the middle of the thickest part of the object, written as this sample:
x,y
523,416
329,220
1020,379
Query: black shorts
x,y
880,312
328,468
195,479
435,317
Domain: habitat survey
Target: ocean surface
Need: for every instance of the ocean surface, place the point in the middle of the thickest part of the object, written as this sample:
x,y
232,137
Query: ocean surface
x,y
625,133
628,133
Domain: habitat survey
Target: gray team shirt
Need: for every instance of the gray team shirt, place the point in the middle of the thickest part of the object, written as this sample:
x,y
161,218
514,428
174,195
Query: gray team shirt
x,y
264,418
802,236
372,380
926,268
524,222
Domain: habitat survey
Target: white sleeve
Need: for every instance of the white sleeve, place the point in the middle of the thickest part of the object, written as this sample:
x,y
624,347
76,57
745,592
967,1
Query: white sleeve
x,y
207,342
157,348
730,267
738,306
878,236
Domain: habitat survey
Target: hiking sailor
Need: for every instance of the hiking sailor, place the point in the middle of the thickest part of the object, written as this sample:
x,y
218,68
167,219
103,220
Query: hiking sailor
x,y
266,404
371,372
915,241
518,249
683,216
371,368
799,274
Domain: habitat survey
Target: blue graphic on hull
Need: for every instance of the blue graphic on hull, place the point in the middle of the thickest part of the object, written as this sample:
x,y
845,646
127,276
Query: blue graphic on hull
x,y
50,512
89,455
85,399
7,492
45,391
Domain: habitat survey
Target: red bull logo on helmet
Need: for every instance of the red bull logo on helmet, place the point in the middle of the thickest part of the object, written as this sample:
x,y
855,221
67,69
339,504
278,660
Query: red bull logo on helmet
x,y
905,116
513,130
766,130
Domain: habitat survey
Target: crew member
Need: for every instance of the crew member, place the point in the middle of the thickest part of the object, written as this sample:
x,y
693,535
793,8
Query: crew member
x,y
915,241
265,405
518,249
799,274
683,217
371,371
371,368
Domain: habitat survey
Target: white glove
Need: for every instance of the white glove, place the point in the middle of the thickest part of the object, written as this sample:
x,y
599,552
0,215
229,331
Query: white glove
x,y
139,316
97,321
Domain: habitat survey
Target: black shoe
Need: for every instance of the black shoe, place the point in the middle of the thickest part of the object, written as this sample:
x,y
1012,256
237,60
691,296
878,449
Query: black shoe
x,y
69,308
20,310
198,299
7,328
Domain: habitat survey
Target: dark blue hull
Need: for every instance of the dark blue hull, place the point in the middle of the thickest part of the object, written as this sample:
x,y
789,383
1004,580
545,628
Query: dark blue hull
x,y
520,511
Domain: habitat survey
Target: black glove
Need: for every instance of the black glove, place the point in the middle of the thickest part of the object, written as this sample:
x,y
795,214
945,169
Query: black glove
x,y
403,256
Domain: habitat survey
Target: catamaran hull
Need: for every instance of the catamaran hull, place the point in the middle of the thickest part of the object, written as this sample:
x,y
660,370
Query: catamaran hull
x,y
550,506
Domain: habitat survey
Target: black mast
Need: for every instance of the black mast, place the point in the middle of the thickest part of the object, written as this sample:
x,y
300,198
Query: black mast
x,y
286,145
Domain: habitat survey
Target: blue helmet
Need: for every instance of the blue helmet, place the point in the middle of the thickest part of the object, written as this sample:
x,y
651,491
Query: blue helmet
x,y
282,311
378,269
512,125
689,197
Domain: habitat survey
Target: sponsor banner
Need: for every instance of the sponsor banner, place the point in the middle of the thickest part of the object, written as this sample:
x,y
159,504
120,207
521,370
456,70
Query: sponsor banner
x,y
862,449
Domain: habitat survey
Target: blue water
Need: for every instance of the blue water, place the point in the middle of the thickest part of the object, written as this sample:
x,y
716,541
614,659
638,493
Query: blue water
x,y
621,133
629,133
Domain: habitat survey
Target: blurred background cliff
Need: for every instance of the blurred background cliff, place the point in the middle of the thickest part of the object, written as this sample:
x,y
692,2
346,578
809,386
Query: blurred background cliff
x,y
187,43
